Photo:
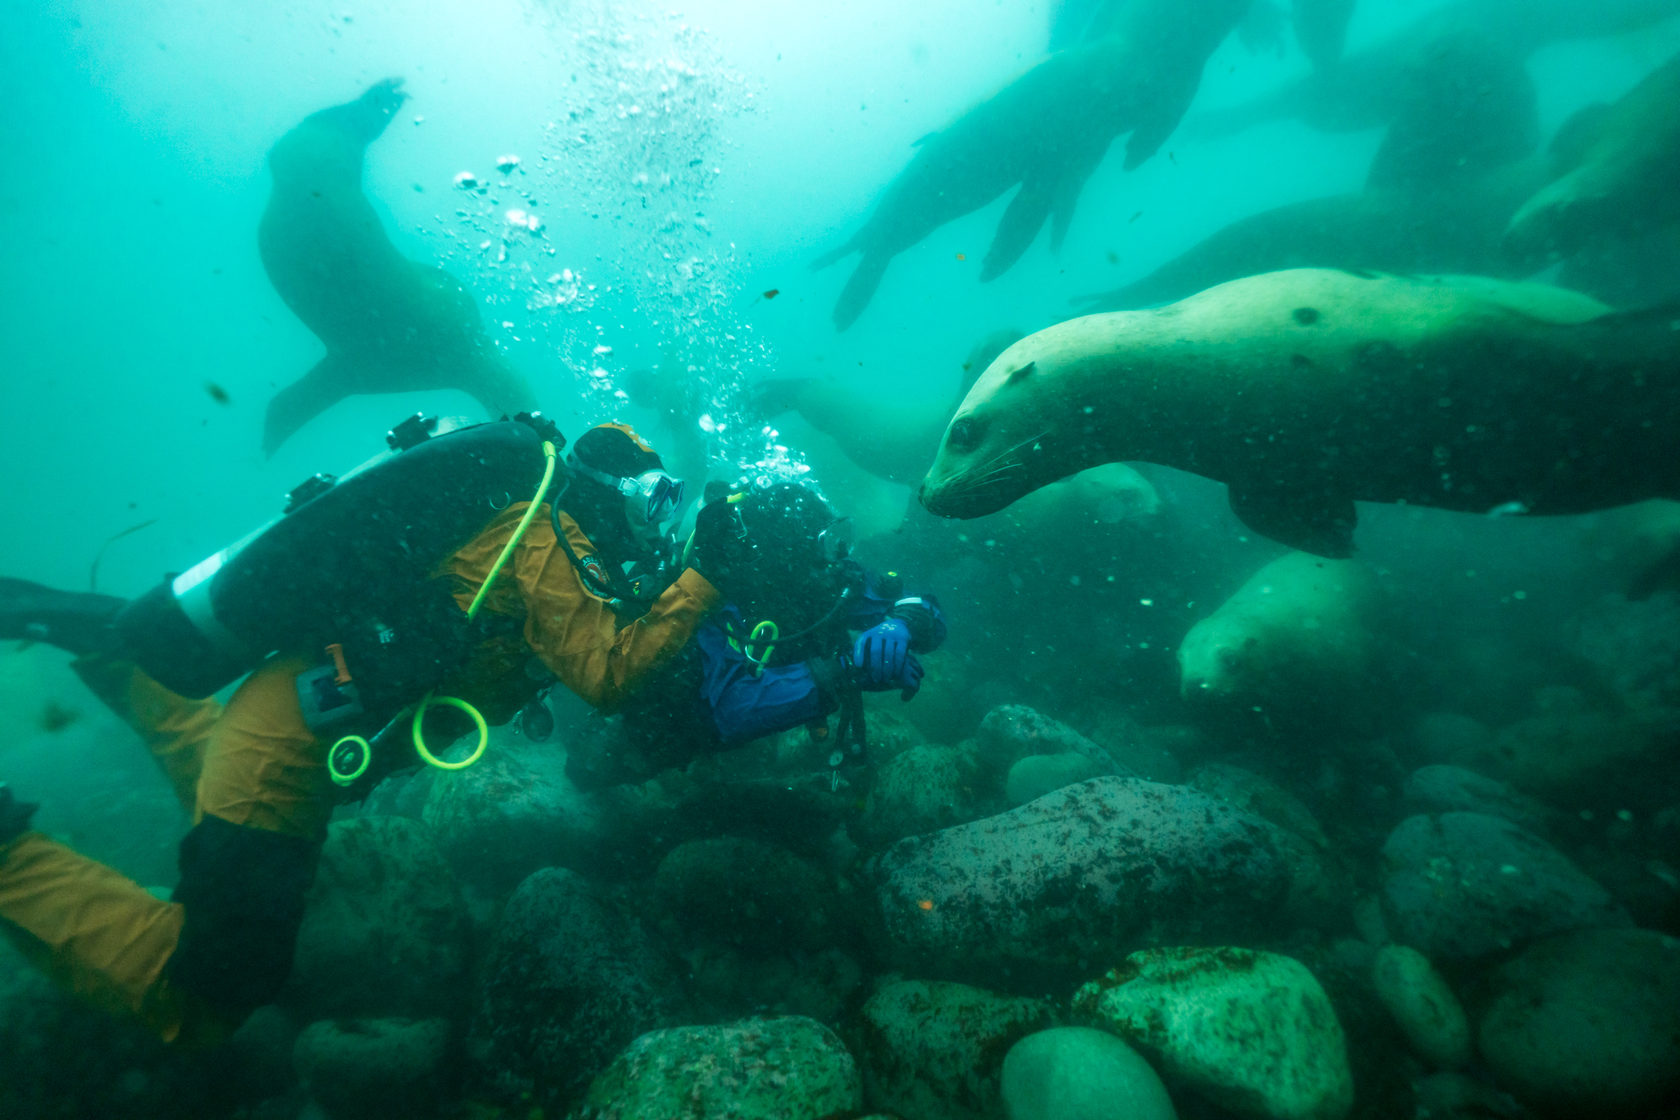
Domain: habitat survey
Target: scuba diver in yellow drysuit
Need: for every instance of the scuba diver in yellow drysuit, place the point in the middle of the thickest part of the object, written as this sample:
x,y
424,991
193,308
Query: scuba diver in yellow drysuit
x,y
420,574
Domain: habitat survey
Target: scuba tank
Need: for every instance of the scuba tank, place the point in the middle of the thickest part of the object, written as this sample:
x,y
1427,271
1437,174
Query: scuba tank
x,y
350,562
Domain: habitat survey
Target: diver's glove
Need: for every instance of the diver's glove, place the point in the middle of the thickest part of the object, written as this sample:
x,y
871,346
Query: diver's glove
x,y
719,549
881,659
924,618
14,815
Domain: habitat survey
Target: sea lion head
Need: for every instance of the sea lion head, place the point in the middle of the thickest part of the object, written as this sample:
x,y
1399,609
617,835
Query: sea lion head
x,y
1017,430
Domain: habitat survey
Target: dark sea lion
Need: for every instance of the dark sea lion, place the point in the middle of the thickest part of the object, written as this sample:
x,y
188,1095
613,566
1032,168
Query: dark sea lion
x,y
1623,179
390,324
1459,228
1046,131
1370,85
1304,391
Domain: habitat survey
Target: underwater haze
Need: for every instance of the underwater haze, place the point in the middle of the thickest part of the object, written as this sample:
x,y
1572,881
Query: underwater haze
x,y
1306,741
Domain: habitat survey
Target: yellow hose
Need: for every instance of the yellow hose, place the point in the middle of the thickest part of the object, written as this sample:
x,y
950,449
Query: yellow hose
x,y
550,453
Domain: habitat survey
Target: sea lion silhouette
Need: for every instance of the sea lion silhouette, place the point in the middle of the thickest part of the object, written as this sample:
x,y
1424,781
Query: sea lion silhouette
x,y
390,324
1046,131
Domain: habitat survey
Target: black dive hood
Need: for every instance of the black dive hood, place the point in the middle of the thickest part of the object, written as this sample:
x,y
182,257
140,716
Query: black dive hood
x,y
347,552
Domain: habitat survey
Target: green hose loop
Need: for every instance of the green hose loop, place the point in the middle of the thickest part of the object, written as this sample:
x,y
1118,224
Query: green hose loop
x,y
453,702
764,634
334,769
550,454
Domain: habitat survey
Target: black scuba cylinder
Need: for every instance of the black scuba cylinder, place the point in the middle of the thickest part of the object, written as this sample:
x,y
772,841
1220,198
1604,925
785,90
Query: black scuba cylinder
x,y
347,553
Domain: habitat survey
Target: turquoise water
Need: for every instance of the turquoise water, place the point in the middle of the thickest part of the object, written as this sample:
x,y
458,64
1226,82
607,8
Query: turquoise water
x,y
672,170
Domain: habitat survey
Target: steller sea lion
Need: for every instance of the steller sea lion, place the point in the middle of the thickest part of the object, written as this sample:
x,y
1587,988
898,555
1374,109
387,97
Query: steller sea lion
x,y
389,324
1622,178
1306,390
1046,131
1371,84
1455,229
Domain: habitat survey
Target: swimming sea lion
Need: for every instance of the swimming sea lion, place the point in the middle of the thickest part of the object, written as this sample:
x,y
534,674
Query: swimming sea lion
x,y
1046,131
1303,634
389,324
1455,229
1370,85
1306,390
1624,179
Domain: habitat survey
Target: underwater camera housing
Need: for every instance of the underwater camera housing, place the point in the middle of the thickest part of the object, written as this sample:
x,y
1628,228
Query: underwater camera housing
x,y
347,552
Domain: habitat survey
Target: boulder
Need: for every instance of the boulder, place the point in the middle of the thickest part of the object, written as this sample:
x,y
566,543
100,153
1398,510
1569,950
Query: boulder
x,y
1588,1024
1013,731
1076,1073
1443,788
568,983
1087,872
512,812
386,933
1038,774
1318,894
1451,737
749,893
932,1050
1423,1006
756,1069
1458,886
1252,1031
374,1068
920,789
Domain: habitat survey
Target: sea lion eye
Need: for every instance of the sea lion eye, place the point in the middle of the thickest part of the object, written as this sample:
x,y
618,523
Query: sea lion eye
x,y
964,435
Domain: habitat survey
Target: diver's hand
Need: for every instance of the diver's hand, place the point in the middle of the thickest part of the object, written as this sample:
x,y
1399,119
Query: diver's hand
x,y
924,618
881,659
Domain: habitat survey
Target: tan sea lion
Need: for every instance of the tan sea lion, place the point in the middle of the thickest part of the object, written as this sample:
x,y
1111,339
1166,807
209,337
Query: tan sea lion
x,y
1306,390
390,324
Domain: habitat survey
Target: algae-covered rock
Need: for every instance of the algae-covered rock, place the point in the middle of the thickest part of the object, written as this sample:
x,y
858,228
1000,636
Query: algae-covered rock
x,y
386,932
757,1069
374,1068
1012,732
1038,774
1588,1024
1076,1073
1423,1006
1252,1031
932,1050
569,982
1441,788
1463,885
513,812
921,789
749,893
1318,892
1083,874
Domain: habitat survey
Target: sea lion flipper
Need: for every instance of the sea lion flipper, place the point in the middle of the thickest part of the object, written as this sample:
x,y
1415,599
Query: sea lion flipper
x,y
1018,227
496,385
303,400
1303,517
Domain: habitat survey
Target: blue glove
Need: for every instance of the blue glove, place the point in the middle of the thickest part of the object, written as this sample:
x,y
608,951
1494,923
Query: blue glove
x,y
881,659
926,621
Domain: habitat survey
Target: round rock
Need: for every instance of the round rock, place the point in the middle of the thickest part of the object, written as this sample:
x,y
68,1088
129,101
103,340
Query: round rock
x,y
1463,885
1081,875
1588,1024
934,1048
757,1069
1423,1006
1076,1073
1252,1031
